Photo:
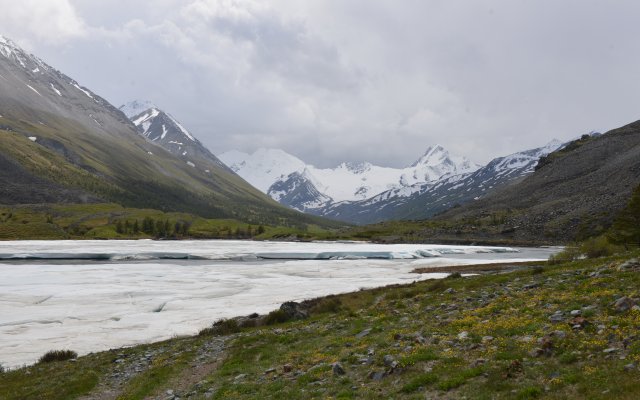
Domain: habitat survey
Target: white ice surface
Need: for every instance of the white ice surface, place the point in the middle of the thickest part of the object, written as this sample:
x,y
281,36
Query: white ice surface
x,y
89,306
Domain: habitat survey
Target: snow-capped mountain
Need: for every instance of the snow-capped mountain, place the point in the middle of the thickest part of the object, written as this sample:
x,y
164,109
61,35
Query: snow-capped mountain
x,y
164,130
365,193
264,167
289,180
424,200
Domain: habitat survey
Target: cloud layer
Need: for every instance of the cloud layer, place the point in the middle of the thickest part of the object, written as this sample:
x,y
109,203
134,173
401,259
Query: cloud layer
x,y
335,80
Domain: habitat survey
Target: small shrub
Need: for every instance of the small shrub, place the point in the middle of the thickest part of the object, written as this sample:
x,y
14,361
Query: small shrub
x,y
327,305
221,327
454,275
537,270
570,253
436,286
276,317
58,355
599,247
530,392
568,358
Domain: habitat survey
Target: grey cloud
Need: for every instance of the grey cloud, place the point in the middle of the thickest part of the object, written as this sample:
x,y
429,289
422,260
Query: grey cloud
x,y
335,80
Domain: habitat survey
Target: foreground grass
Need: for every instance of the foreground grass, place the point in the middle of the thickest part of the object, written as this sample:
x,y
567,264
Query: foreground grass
x,y
551,332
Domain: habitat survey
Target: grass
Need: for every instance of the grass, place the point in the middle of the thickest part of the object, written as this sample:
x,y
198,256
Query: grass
x,y
416,325
101,221
58,355
221,327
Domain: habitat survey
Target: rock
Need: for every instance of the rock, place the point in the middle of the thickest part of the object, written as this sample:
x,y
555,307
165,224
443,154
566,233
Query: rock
x,y
558,334
623,304
537,352
294,310
270,371
531,286
526,339
463,335
487,339
630,367
556,317
338,369
287,368
449,291
546,343
629,265
610,350
578,323
389,361
377,375
363,333
478,362
575,313
418,338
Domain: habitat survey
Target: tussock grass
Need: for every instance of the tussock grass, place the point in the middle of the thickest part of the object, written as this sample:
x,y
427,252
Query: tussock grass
x,y
58,355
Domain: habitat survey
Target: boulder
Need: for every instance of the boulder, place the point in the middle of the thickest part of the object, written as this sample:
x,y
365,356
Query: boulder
x,y
294,310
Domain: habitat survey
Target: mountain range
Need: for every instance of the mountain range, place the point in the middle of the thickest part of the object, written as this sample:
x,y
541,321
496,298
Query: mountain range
x,y
62,143
364,193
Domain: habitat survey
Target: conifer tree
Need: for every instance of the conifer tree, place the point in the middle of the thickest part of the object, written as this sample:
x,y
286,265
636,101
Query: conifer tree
x,y
626,228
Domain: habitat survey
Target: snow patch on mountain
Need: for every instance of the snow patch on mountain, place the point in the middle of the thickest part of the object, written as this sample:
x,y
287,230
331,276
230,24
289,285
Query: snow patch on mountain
x,y
136,107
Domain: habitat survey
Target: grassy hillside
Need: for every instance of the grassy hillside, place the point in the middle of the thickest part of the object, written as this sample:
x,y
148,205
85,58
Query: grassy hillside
x,y
79,167
556,332
113,221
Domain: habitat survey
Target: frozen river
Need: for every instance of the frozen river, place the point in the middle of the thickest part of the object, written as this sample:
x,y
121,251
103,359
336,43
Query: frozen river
x,y
89,296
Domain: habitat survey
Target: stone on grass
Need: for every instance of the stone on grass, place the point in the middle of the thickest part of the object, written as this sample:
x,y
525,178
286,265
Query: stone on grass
x,y
623,304
338,369
363,333
376,375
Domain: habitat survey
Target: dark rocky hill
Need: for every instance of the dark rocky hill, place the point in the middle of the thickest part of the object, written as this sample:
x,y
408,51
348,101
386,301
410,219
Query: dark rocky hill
x,y
575,192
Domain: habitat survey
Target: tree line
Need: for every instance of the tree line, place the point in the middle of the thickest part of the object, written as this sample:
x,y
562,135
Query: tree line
x,y
154,227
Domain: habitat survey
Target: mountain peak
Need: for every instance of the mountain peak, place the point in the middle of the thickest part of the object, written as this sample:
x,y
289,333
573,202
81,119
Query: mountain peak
x,y
435,155
135,107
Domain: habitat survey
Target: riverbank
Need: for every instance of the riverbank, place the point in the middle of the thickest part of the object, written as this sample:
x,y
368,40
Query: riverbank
x,y
562,331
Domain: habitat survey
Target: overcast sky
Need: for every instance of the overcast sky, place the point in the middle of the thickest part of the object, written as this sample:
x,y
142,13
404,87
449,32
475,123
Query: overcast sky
x,y
352,80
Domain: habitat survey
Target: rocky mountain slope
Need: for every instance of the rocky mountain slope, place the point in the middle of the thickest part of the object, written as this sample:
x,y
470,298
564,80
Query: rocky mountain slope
x,y
576,192
164,130
60,142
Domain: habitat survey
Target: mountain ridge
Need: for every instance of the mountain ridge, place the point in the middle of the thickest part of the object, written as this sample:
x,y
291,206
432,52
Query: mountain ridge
x,y
431,184
80,148
272,170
